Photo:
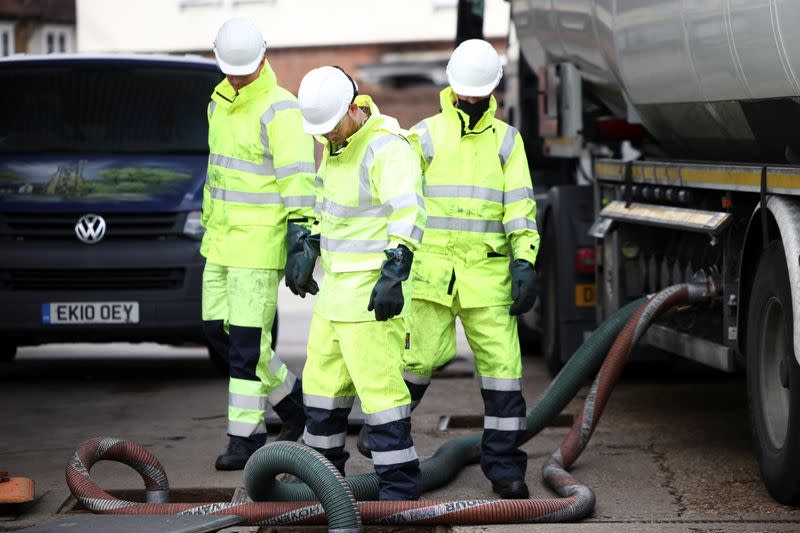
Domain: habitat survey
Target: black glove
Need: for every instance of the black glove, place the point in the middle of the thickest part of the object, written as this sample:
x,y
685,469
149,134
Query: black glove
x,y
523,287
387,295
303,250
295,234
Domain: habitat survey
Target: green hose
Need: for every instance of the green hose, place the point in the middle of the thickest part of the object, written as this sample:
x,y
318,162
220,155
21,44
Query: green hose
x,y
321,477
579,369
454,454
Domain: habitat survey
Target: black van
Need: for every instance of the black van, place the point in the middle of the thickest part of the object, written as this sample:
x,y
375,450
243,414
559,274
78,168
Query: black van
x,y
102,166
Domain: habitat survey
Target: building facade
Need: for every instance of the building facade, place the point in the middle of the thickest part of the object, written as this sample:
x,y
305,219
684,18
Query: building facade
x,y
396,50
37,27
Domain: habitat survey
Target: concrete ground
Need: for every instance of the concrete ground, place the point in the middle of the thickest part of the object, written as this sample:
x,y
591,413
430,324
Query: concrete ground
x,y
672,452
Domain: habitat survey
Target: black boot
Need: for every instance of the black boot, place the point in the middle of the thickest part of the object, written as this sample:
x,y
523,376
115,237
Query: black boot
x,y
511,489
237,453
362,443
293,417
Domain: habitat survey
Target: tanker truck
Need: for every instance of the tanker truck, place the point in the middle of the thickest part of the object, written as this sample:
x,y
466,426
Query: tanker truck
x,y
665,133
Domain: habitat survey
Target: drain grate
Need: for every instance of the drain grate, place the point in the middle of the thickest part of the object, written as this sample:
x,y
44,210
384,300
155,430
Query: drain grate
x,y
453,374
476,422
176,495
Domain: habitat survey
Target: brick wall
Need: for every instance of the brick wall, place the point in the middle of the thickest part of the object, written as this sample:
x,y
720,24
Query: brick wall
x,y
56,11
407,105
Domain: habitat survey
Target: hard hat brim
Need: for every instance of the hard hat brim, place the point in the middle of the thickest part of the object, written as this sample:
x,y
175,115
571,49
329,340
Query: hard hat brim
x,y
313,128
237,70
472,90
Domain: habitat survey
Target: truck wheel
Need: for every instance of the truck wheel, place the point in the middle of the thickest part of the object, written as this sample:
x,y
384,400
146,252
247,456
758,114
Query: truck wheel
x,y
773,378
550,334
7,353
220,361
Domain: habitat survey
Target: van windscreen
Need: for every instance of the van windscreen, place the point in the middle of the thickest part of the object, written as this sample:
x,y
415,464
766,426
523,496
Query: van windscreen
x,y
101,108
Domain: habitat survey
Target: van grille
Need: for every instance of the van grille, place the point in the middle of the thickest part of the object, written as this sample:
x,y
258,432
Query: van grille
x,y
92,279
119,226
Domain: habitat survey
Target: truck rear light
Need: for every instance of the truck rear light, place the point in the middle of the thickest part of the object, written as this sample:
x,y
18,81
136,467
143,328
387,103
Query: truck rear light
x,y
585,260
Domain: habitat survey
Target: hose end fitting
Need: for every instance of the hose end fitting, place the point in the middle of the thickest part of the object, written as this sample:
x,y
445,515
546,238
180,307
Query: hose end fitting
x,y
704,285
157,496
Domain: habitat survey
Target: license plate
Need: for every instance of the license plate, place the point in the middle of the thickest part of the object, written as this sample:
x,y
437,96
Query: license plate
x,y
90,313
585,295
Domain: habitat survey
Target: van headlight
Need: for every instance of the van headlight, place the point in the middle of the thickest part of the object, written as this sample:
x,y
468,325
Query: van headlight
x,y
192,228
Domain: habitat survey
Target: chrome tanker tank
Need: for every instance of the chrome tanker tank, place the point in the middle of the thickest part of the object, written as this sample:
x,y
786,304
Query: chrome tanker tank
x,y
710,79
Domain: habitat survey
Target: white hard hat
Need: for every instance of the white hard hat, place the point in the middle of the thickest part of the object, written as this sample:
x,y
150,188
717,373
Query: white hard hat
x,y
239,47
324,96
474,68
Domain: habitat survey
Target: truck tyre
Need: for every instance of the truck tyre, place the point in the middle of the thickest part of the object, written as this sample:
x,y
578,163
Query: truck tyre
x,y
7,352
773,377
220,361
549,294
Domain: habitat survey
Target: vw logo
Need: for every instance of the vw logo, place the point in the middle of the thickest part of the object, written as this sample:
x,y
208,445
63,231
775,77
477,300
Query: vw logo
x,y
90,228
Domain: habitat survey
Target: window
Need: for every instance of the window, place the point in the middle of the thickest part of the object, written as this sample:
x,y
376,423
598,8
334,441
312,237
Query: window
x,y
183,4
6,38
237,3
57,39
444,4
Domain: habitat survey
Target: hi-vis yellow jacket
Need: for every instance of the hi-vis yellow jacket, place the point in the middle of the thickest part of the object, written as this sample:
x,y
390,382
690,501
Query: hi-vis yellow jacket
x,y
480,206
260,174
369,198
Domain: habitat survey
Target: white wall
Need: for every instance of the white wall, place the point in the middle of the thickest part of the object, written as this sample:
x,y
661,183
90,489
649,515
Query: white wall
x,y
191,25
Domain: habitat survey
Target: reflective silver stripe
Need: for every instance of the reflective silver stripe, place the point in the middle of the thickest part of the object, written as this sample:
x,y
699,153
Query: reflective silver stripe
x,y
256,198
464,224
347,211
318,181
275,364
266,118
269,114
376,211
323,402
364,190
416,379
394,457
325,442
463,191
519,223
426,142
299,201
403,201
354,246
388,415
508,145
515,195
283,390
242,401
294,168
501,384
211,107
243,429
504,424
405,229
240,165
